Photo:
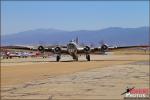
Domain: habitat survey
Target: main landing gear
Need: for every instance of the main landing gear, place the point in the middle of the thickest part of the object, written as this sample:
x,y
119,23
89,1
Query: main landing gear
x,y
58,58
88,57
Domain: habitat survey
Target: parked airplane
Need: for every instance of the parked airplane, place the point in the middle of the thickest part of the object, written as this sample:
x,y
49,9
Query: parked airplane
x,y
73,49
11,54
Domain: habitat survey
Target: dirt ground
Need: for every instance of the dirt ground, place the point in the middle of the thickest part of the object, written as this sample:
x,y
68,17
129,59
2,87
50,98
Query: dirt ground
x,y
44,78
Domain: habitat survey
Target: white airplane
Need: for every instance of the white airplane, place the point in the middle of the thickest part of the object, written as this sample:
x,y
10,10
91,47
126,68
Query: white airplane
x,y
73,49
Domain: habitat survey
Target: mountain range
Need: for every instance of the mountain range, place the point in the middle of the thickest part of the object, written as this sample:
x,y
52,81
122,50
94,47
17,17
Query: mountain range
x,y
112,36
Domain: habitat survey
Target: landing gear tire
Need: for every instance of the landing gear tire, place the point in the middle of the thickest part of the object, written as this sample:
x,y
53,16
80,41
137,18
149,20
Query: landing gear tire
x,y
88,57
76,58
57,58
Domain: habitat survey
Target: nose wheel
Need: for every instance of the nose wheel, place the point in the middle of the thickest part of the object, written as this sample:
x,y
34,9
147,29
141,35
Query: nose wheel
x,y
88,57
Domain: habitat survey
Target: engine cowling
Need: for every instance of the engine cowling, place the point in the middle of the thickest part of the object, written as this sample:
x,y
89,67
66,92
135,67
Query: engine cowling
x,y
57,50
87,49
41,49
104,47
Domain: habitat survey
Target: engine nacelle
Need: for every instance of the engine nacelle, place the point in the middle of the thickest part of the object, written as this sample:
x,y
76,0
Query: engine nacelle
x,y
87,49
41,49
104,47
57,50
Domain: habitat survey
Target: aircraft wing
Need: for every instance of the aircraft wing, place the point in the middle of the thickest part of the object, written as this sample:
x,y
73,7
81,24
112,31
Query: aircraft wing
x,y
80,50
17,47
127,47
97,50
55,50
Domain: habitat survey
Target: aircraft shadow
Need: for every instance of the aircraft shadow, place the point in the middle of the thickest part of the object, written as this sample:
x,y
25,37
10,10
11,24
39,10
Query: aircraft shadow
x,y
91,60
70,61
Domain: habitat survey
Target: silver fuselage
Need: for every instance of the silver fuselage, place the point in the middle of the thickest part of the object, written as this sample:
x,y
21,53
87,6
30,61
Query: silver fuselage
x,y
72,48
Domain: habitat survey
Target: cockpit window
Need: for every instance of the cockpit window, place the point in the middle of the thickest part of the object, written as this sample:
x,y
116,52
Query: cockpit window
x,y
70,46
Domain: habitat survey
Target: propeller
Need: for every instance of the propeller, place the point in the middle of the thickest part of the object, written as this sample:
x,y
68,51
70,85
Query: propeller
x,y
87,49
104,47
57,50
41,49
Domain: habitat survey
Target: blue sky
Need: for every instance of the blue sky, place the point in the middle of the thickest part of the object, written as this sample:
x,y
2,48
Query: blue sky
x,y
17,16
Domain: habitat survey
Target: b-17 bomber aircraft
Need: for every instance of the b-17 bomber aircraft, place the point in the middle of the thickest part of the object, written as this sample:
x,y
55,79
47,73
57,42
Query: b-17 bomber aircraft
x,y
73,49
